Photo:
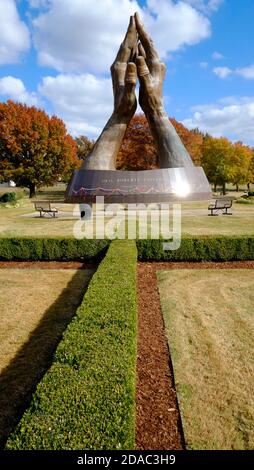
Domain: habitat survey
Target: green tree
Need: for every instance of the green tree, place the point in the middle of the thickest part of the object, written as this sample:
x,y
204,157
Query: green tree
x,y
240,164
35,149
217,155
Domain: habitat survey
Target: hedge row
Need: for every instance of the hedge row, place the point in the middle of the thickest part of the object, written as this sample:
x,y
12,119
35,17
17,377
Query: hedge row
x,y
86,399
51,248
209,248
201,248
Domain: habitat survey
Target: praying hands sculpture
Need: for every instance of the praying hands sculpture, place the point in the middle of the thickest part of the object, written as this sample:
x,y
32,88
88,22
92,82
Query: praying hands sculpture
x,y
137,57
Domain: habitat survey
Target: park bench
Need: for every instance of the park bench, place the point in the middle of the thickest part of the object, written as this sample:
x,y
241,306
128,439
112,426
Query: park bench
x,y
44,207
220,205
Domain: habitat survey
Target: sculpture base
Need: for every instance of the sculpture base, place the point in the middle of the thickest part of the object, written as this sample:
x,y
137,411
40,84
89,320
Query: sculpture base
x,y
148,186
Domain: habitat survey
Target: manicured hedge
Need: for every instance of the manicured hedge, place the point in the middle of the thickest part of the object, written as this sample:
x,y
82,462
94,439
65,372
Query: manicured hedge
x,y
51,248
207,248
86,399
201,248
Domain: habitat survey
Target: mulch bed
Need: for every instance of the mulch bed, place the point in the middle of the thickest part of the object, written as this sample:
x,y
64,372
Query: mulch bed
x,y
156,265
158,421
46,265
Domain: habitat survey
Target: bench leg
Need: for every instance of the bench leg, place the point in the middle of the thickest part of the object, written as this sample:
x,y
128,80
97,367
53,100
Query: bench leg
x,y
212,213
226,212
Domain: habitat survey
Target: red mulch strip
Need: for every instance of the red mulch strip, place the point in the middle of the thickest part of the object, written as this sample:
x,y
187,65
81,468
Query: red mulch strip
x,y
46,265
200,265
158,422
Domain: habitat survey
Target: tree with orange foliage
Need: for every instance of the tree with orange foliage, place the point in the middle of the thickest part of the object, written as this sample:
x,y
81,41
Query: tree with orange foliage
x,y
35,149
192,140
138,151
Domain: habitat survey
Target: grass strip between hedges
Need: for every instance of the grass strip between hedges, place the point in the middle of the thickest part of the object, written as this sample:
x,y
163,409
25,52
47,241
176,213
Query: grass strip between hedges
x,y
86,400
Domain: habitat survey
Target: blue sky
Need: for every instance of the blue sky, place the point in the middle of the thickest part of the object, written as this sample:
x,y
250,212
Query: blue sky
x,y
56,54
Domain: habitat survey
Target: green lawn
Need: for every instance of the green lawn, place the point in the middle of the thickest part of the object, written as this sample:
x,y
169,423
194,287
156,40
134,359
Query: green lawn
x,y
18,221
209,325
241,222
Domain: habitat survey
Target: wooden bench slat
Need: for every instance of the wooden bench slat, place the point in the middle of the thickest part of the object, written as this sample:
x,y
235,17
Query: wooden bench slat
x,y
221,204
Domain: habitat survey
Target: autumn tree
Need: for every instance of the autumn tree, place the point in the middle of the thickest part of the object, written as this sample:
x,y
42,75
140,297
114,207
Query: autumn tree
x,y
240,164
192,140
138,150
84,146
250,179
35,149
217,157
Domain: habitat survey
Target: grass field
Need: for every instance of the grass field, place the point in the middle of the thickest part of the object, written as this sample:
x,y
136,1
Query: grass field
x,y
20,221
36,305
210,326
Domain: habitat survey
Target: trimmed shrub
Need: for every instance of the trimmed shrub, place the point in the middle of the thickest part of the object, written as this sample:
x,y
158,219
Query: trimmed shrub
x,y
202,248
8,197
86,400
207,248
51,249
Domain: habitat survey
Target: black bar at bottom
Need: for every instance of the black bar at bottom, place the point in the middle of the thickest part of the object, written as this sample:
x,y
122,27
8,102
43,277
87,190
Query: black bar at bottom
x,y
109,459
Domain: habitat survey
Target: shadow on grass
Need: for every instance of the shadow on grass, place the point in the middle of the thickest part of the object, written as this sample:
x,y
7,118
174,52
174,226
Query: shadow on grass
x,y
56,193
19,379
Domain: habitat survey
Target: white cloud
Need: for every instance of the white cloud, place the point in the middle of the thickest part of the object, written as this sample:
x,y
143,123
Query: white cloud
x,y
79,36
246,72
14,34
174,25
231,117
213,5
39,3
217,56
222,72
15,89
203,65
206,6
83,101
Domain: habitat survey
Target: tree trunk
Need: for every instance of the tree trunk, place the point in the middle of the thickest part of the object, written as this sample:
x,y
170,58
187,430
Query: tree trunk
x,y
237,187
248,186
224,188
31,190
215,187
